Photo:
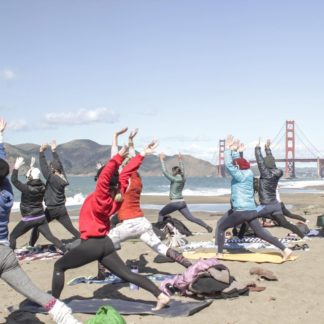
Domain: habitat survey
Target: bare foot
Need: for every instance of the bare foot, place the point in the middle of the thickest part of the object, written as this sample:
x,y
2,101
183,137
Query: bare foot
x,y
286,253
219,255
162,300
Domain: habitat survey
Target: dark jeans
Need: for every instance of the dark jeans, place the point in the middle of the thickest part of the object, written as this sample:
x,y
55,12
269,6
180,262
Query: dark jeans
x,y
100,249
182,207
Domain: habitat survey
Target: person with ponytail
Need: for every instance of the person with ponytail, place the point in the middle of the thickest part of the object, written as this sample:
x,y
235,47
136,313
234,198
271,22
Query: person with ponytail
x,y
177,181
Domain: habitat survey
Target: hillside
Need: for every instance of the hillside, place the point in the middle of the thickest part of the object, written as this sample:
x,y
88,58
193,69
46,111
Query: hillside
x,y
79,157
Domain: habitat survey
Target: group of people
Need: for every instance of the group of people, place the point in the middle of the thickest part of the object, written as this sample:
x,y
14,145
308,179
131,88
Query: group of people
x,y
112,214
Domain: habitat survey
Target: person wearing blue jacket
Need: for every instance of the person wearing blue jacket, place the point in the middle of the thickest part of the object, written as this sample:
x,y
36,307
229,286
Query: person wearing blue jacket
x,y
10,270
242,200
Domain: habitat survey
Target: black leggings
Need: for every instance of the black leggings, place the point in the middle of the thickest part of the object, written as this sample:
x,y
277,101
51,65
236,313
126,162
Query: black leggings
x,y
39,225
182,207
61,215
274,212
287,213
101,249
234,218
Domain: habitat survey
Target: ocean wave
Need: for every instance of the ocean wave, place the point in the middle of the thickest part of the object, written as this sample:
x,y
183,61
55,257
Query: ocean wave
x,y
190,192
291,184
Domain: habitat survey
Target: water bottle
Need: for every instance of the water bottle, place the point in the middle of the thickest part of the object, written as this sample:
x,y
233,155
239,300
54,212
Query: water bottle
x,y
133,268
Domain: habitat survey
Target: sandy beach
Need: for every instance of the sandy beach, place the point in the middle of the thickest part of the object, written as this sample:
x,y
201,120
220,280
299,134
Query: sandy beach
x,y
296,298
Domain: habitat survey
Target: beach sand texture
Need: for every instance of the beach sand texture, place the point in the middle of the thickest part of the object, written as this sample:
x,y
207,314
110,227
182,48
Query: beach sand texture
x,y
296,298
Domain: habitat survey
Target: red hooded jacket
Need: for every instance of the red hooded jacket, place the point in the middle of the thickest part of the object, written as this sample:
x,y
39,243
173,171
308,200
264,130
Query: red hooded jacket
x,y
100,205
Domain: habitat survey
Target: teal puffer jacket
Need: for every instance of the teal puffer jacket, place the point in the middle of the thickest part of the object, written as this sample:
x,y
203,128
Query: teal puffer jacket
x,y
242,193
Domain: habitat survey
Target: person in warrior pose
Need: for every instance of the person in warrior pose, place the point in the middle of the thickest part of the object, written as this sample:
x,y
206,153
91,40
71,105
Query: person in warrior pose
x,y
177,181
31,205
10,270
94,226
56,181
242,200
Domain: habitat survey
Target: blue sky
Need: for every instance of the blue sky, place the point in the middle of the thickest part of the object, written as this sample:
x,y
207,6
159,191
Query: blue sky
x,y
186,72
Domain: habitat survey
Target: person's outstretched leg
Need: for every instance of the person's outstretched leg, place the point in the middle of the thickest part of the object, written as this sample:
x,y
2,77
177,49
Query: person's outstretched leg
x,y
266,236
115,264
187,214
168,209
88,251
20,229
283,222
65,220
46,232
289,214
34,236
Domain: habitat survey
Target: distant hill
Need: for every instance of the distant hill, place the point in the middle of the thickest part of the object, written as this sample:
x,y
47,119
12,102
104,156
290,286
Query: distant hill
x,y
79,157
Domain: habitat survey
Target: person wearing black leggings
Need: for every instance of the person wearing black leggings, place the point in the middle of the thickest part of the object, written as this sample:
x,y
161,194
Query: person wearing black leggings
x,y
31,206
177,181
56,182
242,200
94,226
270,207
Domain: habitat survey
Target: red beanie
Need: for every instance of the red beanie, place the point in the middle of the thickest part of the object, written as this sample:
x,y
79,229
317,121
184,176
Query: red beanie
x,y
242,163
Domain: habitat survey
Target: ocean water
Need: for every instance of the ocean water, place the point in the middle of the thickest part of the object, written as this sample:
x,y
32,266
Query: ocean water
x,y
80,187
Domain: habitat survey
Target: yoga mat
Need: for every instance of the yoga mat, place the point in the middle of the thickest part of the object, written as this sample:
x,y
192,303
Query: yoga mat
x,y
124,307
271,257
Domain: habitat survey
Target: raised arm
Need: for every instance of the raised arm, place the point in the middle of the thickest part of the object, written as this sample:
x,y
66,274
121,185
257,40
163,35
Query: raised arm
x,y
267,148
181,165
3,154
131,147
165,172
264,171
114,144
43,162
14,176
57,158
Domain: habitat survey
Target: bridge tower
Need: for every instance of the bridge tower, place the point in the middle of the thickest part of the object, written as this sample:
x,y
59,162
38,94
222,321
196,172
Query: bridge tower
x,y
290,149
221,162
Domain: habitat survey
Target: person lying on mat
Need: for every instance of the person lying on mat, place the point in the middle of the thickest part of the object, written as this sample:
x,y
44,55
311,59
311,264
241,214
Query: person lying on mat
x,y
94,226
242,200
10,270
131,220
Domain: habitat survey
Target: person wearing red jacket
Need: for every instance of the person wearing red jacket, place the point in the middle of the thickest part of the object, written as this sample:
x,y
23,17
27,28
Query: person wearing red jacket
x,y
94,225
133,224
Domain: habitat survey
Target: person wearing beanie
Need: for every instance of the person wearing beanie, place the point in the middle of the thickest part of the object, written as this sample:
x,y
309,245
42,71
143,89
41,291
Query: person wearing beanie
x,y
177,181
242,201
54,197
10,270
132,222
94,225
270,175
31,205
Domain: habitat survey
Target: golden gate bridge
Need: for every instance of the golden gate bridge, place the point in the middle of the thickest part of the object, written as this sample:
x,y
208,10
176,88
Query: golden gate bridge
x,y
288,132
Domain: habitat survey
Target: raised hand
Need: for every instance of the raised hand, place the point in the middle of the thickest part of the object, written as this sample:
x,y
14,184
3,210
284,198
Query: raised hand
x,y
179,157
268,143
133,133
162,156
235,145
258,143
122,131
123,152
3,125
19,162
229,141
99,165
43,147
150,148
53,145
241,147
32,161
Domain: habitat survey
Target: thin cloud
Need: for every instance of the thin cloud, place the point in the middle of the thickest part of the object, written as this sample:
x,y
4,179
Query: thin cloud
x,y
18,125
8,74
81,117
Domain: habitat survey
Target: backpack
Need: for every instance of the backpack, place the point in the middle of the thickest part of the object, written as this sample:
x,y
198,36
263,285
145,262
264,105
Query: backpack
x,y
107,315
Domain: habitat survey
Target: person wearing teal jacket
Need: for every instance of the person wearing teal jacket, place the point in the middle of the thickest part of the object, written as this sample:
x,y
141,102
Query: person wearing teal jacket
x,y
242,200
177,181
